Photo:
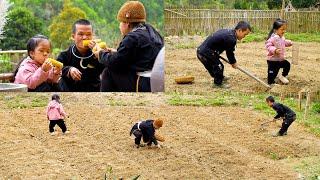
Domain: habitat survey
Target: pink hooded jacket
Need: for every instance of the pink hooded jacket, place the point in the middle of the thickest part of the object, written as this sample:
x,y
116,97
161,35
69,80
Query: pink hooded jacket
x,y
277,42
31,74
55,111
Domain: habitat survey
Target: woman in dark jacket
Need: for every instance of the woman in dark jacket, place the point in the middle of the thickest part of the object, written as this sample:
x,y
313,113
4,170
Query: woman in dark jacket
x,y
128,69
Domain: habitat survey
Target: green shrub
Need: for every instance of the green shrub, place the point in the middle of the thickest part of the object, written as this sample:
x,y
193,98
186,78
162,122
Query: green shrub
x,y
316,107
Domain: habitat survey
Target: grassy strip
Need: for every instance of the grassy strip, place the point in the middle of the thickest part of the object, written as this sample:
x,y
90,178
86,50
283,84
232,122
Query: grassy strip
x,y
301,37
21,101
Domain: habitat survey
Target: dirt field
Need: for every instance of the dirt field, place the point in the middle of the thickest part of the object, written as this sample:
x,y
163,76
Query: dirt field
x,y
201,142
251,56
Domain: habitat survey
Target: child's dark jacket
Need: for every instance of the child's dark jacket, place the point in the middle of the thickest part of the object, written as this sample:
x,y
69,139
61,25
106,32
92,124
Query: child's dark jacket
x,y
147,130
283,111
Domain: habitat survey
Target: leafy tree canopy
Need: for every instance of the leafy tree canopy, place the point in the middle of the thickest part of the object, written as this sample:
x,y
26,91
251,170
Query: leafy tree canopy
x,y
21,26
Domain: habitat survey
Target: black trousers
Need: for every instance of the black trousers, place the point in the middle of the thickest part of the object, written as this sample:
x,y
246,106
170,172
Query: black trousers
x,y
137,134
213,66
113,81
46,87
60,123
286,124
72,86
274,67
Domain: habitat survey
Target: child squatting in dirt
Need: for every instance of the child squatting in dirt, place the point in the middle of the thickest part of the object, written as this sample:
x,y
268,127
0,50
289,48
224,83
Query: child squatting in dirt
x,y
282,111
55,115
146,130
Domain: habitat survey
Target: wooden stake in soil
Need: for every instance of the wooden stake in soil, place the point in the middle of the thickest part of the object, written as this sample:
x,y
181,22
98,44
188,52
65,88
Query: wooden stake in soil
x,y
307,105
295,54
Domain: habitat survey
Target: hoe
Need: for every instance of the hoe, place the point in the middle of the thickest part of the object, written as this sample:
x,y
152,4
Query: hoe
x,y
249,74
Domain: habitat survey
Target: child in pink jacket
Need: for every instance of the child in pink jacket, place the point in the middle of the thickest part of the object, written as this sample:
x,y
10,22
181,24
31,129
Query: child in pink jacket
x,y
56,114
276,45
36,71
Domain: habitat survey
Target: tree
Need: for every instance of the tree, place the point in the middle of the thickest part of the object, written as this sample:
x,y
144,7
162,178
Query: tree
x,y
303,3
274,4
252,4
21,26
42,9
61,27
4,6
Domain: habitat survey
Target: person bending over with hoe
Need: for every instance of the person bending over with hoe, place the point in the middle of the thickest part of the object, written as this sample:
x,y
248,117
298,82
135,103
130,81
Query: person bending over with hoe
x,y
222,40
282,112
146,130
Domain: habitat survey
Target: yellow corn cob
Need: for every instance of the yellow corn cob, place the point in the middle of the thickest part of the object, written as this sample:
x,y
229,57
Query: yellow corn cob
x,y
56,63
87,42
102,45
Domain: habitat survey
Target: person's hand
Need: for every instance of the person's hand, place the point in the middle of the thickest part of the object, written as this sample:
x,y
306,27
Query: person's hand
x,y
46,66
75,74
96,50
277,51
57,71
92,44
112,50
235,65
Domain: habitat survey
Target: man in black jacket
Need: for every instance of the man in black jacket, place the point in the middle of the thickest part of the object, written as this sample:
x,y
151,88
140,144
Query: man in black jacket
x,y
146,130
282,112
128,69
222,40
81,70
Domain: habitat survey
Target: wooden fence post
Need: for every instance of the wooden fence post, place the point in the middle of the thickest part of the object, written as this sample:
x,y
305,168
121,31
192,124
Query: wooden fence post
x,y
307,105
295,53
282,9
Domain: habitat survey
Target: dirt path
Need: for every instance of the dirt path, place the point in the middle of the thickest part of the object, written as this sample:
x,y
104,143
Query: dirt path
x,y
251,56
201,142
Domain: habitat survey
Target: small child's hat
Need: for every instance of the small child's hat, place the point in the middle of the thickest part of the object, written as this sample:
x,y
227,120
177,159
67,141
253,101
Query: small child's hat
x,y
158,123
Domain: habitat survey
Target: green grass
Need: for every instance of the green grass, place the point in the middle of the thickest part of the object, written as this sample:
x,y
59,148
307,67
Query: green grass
x,y
274,156
5,64
178,100
309,167
301,37
316,107
22,101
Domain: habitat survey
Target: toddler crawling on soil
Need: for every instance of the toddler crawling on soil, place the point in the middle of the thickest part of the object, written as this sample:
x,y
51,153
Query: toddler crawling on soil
x,y
146,130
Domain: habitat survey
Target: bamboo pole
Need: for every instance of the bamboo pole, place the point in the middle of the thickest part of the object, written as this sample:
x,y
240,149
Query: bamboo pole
x,y
282,9
307,105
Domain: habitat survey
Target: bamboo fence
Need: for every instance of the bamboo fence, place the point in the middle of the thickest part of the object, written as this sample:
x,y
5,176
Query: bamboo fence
x,y
205,21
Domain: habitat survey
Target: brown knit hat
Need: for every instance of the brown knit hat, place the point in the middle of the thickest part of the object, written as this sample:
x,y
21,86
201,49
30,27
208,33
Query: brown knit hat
x,y
132,11
158,123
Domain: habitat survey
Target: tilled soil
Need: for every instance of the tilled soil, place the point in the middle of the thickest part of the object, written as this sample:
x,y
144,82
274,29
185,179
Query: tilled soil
x,y
250,56
201,142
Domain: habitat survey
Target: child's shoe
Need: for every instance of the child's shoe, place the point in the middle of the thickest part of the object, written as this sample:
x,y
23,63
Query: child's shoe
x,y
139,145
276,134
53,133
283,79
66,132
222,86
284,134
226,78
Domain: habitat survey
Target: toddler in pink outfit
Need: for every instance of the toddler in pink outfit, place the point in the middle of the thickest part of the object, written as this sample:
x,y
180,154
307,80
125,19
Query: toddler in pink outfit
x,y
36,71
56,114
275,46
